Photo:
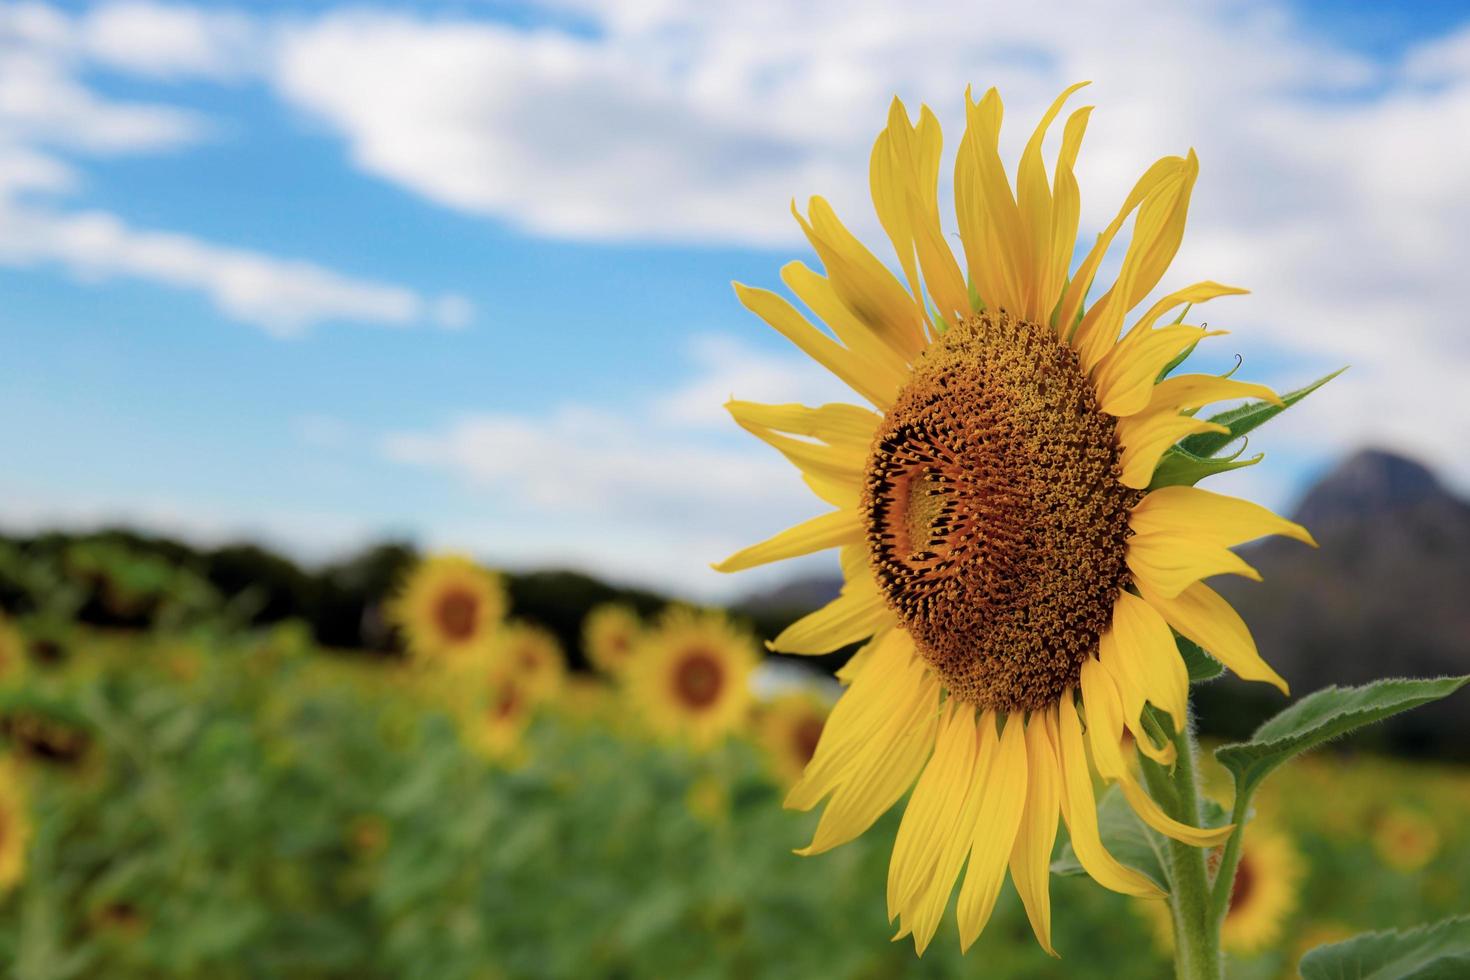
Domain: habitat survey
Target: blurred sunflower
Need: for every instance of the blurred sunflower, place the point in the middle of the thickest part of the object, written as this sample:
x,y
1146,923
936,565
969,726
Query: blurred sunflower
x,y
15,826
448,606
609,635
1406,840
533,656
789,728
1262,899
501,715
1001,539
690,676
13,661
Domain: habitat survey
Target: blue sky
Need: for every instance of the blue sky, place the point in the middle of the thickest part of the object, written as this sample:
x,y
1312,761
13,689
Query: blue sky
x,y
319,273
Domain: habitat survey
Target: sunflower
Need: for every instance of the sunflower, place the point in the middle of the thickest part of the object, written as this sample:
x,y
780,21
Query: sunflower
x,y
448,606
1005,554
690,676
533,656
1262,898
1406,840
15,827
609,635
789,729
500,714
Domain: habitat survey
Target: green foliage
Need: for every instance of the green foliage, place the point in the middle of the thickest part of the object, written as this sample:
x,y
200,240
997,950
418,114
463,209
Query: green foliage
x,y
1436,952
1201,666
1322,716
1194,458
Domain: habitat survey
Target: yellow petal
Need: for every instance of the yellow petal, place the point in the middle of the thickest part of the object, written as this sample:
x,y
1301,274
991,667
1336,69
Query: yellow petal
x,y
1171,563
931,842
1202,615
1145,439
864,283
990,225
1208,516
867,341
1125,376
840,527
843,464
848,672
1162,170
1200,292
837,424
941,271
1079,808
997,825
1065,214
1187,391
873,789
1105,730
1148,657
878,383
1133,693
1031,854
888,180
1156,235
1034,206
888,685
855,615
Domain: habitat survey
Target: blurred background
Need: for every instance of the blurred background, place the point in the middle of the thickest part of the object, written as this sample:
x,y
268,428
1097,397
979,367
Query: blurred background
x,y
297,294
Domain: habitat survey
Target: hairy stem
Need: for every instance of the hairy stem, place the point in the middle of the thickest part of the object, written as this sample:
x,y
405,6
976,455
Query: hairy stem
x,y
1196,927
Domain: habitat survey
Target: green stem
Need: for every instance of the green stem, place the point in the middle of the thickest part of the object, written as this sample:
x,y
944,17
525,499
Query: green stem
x,y
1229,861
1196,928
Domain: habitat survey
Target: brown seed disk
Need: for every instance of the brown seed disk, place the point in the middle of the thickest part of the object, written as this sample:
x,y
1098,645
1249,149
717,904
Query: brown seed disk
x,y
698,679
996,520
457,612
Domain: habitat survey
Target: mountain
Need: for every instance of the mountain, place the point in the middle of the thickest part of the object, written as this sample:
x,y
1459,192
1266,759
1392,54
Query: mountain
x,y
1387,593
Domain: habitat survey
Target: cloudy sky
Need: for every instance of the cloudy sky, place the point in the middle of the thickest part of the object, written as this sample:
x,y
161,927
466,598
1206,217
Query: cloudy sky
x,y
315,274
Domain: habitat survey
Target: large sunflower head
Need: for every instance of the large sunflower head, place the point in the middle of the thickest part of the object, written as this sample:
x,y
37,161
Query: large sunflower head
x,y
609,635
690,675
15,826
534,657
790,727
447,607
1015,563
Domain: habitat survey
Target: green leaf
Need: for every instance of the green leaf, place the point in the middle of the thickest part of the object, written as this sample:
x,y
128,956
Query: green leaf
x,y
1125,836
1324,715
1202,666
1244,418
1433,952
1181,468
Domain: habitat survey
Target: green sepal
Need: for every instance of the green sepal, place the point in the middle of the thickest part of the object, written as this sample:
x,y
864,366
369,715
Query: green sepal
x,y
1431,952
1125,836
1184,354
1181,468
1202,667
1322,716
1244,418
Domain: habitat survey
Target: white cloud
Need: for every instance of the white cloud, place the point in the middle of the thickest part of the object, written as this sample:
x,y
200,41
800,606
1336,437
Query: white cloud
x,y
643,492
50,112
280,295
1332,184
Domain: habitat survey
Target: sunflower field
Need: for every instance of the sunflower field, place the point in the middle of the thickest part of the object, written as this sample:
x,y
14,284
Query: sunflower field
x,y
199,797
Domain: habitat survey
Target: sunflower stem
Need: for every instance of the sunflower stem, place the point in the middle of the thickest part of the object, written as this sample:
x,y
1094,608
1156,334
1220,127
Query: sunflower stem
x,y
1196,927
1229,861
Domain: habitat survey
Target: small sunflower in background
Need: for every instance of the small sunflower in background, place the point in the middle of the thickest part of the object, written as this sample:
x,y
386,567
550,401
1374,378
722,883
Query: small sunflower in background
x,y
1005,547
609,634
1406,840
690,676
15,826
501,714
534,657
448,607
1262,900
13,659
790,726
